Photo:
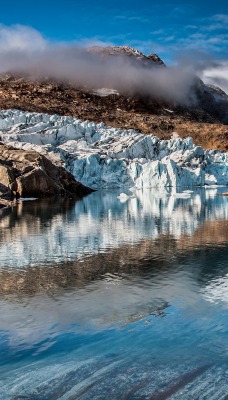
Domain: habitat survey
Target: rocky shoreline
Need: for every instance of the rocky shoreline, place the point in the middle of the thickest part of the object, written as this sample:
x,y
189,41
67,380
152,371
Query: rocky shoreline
x,y
30,174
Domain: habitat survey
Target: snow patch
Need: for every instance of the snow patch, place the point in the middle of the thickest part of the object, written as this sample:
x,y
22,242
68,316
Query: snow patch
x,y
103,92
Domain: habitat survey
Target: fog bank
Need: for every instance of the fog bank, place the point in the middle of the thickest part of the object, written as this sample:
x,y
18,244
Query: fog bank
x,y
23,50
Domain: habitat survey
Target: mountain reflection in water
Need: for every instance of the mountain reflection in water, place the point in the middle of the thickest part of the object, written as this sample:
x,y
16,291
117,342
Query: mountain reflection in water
x,y
118,300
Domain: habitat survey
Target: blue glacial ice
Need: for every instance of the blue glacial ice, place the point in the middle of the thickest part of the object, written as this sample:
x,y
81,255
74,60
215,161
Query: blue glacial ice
x,y
107,157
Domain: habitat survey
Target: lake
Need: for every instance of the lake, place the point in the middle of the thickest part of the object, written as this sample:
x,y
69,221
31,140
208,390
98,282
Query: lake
x,y
109,299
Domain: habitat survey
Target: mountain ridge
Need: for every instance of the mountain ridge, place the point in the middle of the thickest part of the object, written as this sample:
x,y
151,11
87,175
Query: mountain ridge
x,y
206,121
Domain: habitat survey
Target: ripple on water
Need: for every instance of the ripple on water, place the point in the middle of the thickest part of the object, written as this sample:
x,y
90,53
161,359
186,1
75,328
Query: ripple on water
x,y
101,299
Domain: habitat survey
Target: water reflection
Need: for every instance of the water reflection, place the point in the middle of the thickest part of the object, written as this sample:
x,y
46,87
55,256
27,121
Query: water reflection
x,y
101,297
40,233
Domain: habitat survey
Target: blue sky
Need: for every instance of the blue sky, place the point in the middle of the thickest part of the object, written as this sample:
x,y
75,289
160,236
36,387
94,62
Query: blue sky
x,y
163,27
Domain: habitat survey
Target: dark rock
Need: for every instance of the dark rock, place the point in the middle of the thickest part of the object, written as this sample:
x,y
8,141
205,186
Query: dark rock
x,y
5,192
6,196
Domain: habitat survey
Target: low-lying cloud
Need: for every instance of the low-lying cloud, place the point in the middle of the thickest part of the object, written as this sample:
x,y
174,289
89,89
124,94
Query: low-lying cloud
x,y
25,51
217,76
21,38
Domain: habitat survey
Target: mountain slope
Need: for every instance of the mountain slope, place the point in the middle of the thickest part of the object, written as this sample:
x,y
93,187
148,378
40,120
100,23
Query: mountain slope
x,y
205,120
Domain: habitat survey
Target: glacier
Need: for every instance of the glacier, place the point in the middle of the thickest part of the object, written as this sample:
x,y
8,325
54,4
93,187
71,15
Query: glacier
x,y
100,156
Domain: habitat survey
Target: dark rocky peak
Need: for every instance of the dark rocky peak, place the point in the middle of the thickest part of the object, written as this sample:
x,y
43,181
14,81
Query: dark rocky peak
x,y
130,53
217,92
211,99
154,57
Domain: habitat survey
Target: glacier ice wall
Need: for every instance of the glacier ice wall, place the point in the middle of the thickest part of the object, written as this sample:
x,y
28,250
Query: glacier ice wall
x,y
106,157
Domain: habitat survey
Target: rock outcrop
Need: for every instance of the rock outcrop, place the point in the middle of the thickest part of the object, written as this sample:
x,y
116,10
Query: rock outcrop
x,y
105,157
30,174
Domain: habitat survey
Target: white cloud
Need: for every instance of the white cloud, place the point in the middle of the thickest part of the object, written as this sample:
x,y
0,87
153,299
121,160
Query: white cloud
x,y
139,19
24,49
130,16
90,42
217,75
221,17
21,38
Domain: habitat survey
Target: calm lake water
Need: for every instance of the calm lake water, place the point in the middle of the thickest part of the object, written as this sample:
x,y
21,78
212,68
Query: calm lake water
x,y
103,299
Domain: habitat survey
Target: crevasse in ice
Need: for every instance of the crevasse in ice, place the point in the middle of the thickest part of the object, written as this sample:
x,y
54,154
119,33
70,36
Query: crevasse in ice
x,y
106,157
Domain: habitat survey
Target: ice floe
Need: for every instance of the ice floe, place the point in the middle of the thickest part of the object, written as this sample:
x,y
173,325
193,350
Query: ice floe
x,y
106,157
123,197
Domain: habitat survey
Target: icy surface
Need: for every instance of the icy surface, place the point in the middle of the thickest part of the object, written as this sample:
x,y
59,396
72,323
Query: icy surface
x,y
104,157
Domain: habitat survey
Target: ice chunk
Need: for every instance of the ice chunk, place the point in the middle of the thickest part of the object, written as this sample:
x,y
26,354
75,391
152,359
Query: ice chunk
x,y
123,197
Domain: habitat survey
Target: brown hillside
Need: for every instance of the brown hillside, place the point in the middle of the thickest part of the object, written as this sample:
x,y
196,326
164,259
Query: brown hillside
x,y
144,114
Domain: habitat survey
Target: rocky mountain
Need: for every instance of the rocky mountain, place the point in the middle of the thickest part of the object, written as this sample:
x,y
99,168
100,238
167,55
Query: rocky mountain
x,y
205,120
129,53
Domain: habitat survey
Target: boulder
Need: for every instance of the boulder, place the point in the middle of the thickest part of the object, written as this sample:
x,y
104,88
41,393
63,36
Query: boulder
x,y
30,174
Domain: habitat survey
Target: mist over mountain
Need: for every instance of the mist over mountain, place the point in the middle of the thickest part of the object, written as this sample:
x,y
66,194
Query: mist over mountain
x,y
25,51
118,85
129,72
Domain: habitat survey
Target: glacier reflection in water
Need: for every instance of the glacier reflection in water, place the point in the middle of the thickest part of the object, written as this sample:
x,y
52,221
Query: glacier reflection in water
x,y
41,233
114,300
